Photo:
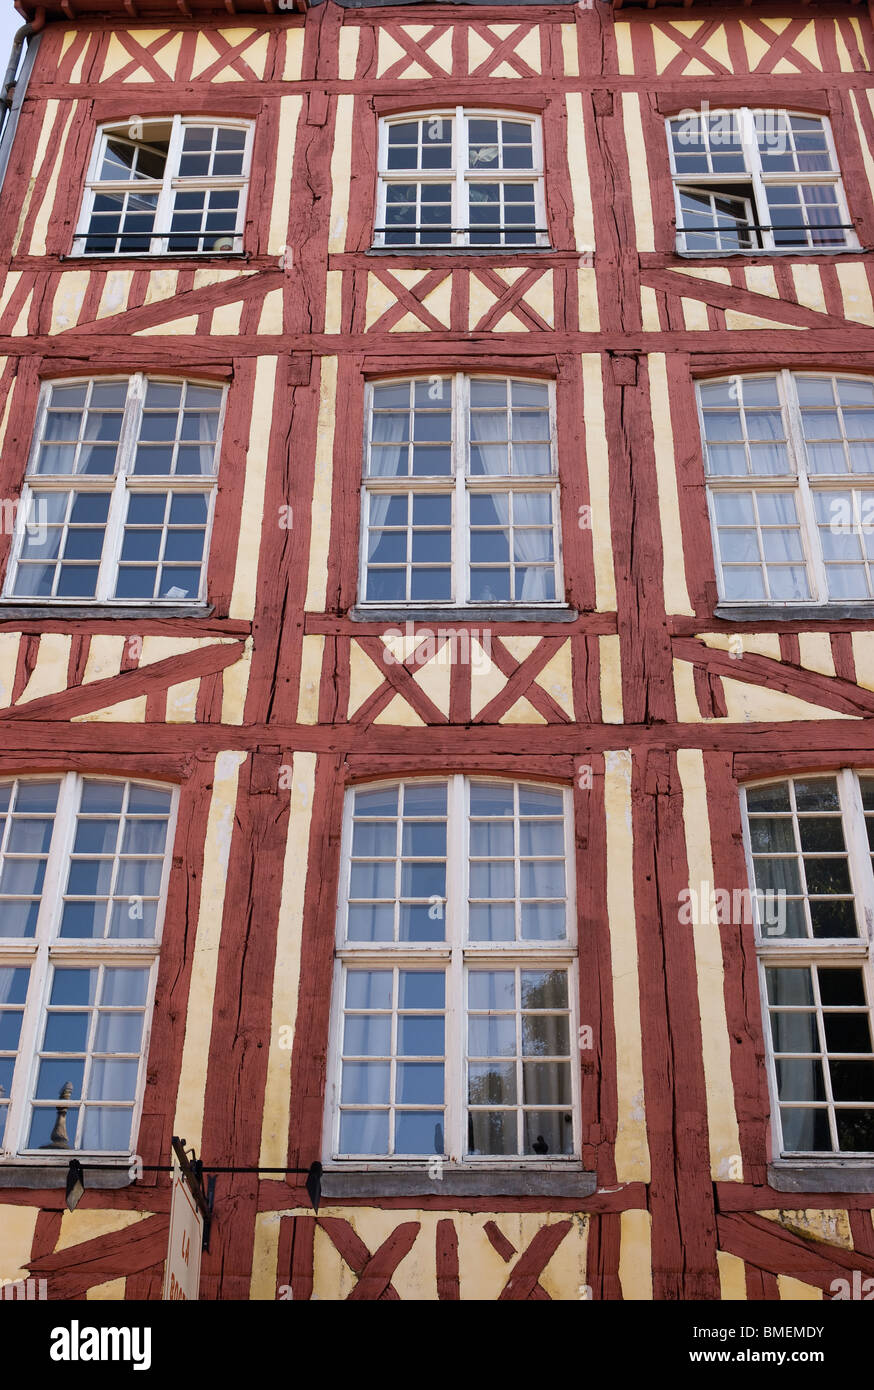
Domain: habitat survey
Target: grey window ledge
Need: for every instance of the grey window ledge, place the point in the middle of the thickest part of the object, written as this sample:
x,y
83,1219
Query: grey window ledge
x,y
534,1182
25,612
813,1176
41,1175
497,615
760,254
493,251
793,613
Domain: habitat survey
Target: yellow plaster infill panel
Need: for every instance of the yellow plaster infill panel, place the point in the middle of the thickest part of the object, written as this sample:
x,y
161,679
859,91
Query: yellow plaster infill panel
x,y
805,45
845,62
673,573
198,1026
49,675
522,712
265,1255
694,315
320,523
635,1255
684,694
334,301
246,571
226,318
9,642
118,57
293,55
162,285
716,274
486,680
182,702
398,712
755,703
640,191
206,53
520,647
610,679
20,328
312,651
808,287
131,711
112,1291
481,301
632,1150
174,328
569,50
725,1164
116,289
737,320
857,30
816,652
348,57
587,300
434,677
856,293
341,173
649,309
289,933
46,208
389,53
732,1277
16,1239
104,658
758,643
364,677
235,683
863,657
81,1225
762,280
556,679
270,318
160,648
598,468
796,1290
584,218
624,51
756,47
831,1225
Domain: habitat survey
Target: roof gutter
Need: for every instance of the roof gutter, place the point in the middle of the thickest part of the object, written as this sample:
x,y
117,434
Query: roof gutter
x,y
7,92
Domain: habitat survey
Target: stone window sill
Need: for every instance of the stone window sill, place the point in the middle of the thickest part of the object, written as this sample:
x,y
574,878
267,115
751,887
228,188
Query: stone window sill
x,y
45,1173
794,612
483,613
470,1182
810,1175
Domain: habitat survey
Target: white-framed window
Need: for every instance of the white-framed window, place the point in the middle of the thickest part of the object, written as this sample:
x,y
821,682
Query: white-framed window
x,y
460,500
789,458
461,177
166,187
84,865
118,500
757,180
454,1020
809,844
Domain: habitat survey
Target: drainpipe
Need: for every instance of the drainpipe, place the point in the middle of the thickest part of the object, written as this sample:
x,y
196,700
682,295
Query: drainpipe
x,y
7,92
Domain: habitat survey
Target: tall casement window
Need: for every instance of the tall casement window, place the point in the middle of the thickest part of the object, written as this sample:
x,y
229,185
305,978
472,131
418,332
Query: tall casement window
x,y
809,841
84,864
756,180
454,1009
790,467
460,177
118,499
460,493
166,187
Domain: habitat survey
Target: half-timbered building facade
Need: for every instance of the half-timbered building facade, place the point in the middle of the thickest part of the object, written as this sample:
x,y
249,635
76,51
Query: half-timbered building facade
x,y
436,647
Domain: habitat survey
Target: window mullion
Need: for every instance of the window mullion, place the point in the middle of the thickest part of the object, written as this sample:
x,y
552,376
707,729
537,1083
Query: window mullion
x,y
461,146
858,852
798,456
461,528
456,935
760,197
162,212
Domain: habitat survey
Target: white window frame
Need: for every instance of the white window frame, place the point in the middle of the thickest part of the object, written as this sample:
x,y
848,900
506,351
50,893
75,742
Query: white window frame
x,y
41,952
454,955
120,483
759,181
461,177
460,483
165,187
771,950
799,482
